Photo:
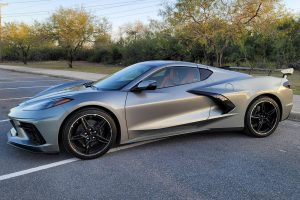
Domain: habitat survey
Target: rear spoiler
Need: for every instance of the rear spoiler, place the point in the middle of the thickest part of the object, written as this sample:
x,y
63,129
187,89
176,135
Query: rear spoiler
x,y
287,72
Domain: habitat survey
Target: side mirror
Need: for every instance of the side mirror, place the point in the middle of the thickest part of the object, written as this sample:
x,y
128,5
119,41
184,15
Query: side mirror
x,y
145,85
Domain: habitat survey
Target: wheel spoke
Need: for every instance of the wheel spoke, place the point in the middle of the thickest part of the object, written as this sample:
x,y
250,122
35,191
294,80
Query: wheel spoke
x,y
255,117
88,147
102,139
77,137
269,123
263,107
85,124
256,111
260,124
101,124
271,112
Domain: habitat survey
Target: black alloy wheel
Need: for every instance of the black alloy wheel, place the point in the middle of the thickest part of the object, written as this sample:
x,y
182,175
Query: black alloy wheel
x,y
262,117
89,133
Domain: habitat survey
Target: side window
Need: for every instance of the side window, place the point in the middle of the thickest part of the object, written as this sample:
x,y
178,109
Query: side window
x,y
172,76
204,74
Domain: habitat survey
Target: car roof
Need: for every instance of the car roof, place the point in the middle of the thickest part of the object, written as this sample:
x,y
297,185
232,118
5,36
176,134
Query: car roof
x,y
160,63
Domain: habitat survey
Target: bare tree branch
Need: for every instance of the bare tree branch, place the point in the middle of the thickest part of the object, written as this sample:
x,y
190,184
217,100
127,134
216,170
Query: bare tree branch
x,y
256,13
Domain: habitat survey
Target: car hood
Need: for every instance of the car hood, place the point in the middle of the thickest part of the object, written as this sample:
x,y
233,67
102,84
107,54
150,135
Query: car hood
x,y
68,89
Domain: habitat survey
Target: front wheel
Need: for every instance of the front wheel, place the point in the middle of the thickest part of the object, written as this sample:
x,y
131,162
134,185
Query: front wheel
x,y
262,117
89,133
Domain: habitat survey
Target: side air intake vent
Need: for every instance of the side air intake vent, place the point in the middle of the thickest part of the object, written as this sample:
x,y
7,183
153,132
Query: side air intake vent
x,y
225,104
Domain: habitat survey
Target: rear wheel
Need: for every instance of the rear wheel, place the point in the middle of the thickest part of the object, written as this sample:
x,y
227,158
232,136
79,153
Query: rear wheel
x,y
89,133
262,117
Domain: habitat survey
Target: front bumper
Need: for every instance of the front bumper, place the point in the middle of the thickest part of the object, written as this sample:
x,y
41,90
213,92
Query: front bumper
x,y
36,131
21,140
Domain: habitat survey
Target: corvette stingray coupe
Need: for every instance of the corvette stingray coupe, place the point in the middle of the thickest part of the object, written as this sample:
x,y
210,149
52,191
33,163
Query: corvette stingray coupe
x,y
146,101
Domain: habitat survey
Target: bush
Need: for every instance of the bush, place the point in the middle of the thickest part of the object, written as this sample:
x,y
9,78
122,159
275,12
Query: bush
x,y
100,55
84,54
295,65
9,54
47,53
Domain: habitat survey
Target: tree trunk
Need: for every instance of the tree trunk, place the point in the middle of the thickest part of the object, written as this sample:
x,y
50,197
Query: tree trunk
x,y
218,59
70,64
221,53
25,58
221,59
211,60
25,52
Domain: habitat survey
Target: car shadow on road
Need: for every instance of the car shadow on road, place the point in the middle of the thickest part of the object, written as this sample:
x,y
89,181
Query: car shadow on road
x,y
191,140
183,139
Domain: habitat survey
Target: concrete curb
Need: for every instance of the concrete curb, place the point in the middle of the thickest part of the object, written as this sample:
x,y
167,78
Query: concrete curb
x,y
294,116
74,75
39,73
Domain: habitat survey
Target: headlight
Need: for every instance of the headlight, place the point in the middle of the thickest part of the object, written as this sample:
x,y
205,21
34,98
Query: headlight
x,y
47,104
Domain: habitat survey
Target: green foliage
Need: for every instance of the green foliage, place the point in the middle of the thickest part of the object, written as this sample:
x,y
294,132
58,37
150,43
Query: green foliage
x,y
241,32
9,53
71,29
100,55
21,37
47,53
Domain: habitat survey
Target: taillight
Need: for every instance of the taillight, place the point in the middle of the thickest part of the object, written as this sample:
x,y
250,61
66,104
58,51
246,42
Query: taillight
x,y
287,84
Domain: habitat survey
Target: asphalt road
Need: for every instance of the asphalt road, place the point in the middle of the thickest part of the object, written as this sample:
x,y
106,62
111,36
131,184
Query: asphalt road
x,y
224,165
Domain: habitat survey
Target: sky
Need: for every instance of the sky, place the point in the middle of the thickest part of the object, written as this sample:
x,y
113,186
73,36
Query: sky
x,y
118,12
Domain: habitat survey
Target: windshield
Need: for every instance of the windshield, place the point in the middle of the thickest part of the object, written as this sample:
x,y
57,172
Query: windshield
x,y
121,78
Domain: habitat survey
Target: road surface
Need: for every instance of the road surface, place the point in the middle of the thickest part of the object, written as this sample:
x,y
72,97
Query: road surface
x,y
223,165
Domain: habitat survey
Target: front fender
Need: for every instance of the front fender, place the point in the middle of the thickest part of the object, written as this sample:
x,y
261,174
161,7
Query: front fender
x,y
113,101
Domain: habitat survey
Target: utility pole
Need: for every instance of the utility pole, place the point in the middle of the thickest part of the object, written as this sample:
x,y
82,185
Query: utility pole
x,y
1,5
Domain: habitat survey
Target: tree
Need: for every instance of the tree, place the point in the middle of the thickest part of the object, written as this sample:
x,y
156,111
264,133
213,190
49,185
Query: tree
x,y
71,29
216,23
21,37
286,40
133,31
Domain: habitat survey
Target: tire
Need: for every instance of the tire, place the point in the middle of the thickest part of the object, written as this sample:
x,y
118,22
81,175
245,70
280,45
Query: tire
x,y
89,133
262,117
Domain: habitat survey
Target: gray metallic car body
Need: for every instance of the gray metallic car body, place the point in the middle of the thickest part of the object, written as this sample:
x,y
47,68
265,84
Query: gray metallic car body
x,y
156,113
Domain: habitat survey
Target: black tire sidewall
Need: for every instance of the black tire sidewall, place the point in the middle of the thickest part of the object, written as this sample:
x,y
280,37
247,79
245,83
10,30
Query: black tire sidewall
x,y
70,120
248,128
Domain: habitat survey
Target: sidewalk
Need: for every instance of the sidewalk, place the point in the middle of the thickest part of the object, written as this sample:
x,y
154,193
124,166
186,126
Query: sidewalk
x,y
56,73
296,102
295,115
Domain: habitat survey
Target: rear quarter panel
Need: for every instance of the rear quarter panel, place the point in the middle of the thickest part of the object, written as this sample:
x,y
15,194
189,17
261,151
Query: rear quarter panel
x,y
241,90
270,86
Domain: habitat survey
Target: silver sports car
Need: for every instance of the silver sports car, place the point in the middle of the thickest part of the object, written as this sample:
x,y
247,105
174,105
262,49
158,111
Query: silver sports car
x,y
146,101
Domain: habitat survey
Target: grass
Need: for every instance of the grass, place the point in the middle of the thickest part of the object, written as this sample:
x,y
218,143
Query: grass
x,y
295,81
109,69
77,66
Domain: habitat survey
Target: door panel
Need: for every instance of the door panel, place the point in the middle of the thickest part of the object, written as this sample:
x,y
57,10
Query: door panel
x,y
165,111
